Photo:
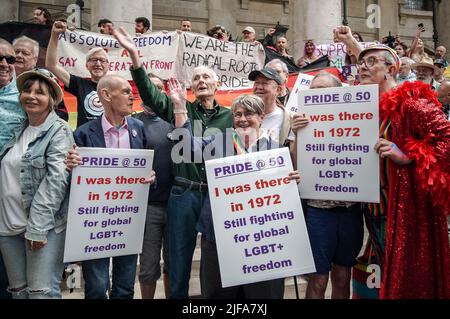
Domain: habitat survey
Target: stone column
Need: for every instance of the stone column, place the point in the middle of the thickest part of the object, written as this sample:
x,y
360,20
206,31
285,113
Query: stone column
x,y
121,13
313,19
9,11
443,14
223,13
389,18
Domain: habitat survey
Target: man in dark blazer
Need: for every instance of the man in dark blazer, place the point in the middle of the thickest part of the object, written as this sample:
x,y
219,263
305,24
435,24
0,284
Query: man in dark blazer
x,y
114,129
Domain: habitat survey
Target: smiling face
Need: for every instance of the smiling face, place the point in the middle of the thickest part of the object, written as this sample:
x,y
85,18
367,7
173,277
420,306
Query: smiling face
x,y
265,88
25,58
6,69
245,121
35,98
204,84
97,65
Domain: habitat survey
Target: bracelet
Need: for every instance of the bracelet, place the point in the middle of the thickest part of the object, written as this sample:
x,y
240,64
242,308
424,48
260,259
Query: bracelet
x,y
180,112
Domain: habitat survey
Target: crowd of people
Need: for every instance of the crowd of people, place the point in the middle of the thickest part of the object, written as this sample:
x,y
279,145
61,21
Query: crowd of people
x,y
408,235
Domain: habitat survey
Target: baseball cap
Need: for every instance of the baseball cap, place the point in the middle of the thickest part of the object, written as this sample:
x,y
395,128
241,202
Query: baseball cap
x,y
266,72
442,62
249,29
45,74
379,46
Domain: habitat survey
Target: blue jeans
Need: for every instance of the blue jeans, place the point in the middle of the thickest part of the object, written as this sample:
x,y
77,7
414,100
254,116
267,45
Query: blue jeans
x,y
4,294
96,276
38,272
183,212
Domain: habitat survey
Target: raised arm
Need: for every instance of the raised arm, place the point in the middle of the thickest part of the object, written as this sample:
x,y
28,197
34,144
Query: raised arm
x,y
153,99
177,93
51,61
344,35
126,41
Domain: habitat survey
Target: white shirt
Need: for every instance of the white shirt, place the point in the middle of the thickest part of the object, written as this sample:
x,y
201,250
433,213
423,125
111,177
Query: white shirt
x,y
13,218
272,124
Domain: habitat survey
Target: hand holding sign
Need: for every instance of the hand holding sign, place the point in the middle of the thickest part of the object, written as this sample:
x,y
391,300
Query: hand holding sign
x,y
299,121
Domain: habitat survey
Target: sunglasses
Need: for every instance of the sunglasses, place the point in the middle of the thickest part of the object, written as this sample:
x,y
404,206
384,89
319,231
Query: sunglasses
x,y
9,58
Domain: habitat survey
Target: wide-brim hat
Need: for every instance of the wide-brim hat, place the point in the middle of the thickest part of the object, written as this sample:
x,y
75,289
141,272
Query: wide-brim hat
x,y
425,62
44,74
379,46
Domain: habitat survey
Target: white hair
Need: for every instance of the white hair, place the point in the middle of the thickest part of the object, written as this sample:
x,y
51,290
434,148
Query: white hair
x,y
93,51
281,63
203,68
33,43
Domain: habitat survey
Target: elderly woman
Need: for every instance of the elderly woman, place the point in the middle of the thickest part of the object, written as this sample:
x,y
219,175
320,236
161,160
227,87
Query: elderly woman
x,y
33,186
247,136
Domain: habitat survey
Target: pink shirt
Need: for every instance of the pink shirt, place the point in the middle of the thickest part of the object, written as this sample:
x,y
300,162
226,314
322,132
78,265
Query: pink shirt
x,y
115,137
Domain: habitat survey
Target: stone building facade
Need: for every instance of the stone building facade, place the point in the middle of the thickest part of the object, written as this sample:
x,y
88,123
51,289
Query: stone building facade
x,y
307,19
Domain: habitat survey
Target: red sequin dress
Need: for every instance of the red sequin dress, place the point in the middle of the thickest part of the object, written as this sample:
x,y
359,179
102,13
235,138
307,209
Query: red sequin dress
x,y
417,257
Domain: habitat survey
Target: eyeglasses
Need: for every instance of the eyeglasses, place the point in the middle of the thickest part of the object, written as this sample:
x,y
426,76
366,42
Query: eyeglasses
x,y
94,61
247,115
369,62
9,58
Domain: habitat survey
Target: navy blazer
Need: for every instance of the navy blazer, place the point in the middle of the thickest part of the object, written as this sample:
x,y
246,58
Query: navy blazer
x,y
90,134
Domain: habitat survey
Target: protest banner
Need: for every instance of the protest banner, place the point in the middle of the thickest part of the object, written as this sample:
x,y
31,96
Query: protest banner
x,y
335,151
158,52
258,220
108,203
336,52
232,61
166,54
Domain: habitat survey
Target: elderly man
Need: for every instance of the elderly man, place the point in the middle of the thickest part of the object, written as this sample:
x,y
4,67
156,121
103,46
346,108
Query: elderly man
x,y
415,173
405,73
27,53
425,70
440,52
190,188
114,129
88,106
283,72
12,116
440,65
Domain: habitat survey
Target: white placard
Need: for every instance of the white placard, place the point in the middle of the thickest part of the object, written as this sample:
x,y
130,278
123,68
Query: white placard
x,y
335,151
108,203
258,220
302,83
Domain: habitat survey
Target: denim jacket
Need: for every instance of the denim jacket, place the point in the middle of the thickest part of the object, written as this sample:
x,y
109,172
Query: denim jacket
x,y
43,177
